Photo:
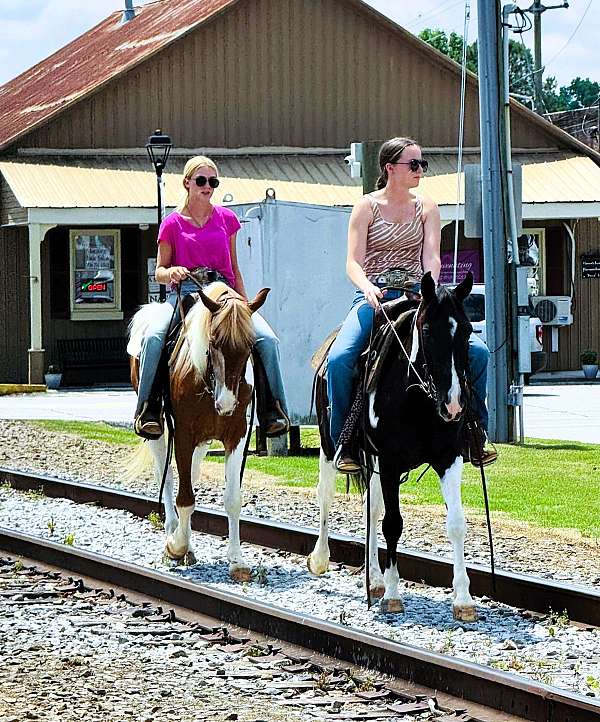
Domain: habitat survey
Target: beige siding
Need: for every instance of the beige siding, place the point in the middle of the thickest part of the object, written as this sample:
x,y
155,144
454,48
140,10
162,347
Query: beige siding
x,y
282,72
11,212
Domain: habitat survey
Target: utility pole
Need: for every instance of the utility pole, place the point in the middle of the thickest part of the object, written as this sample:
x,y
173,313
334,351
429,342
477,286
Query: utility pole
x,y
495,256
537,9
370,167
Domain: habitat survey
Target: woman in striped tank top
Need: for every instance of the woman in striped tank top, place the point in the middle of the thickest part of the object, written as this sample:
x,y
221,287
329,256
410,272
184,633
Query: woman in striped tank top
x,y
389,228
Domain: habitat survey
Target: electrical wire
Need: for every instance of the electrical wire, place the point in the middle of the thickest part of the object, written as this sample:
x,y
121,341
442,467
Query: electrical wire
x,y
426,17
589,5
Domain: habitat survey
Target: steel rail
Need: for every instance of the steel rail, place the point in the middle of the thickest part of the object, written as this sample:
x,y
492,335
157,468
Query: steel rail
x,y
582,604
497,690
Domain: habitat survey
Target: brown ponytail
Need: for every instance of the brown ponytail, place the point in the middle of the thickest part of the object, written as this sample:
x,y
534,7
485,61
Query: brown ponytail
x,y
390,152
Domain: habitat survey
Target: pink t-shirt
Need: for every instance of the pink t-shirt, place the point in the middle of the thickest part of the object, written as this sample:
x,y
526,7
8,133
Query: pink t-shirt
x,y
207,246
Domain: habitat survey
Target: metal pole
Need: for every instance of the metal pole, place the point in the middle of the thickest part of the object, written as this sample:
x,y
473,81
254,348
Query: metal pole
x,y
162,289
537,11
494,236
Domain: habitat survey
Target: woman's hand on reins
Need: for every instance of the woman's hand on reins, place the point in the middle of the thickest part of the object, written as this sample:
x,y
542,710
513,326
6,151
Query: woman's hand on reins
x,y
177,274
373,294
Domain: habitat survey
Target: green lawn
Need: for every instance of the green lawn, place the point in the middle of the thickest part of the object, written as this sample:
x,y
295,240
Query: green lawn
x,y
548,483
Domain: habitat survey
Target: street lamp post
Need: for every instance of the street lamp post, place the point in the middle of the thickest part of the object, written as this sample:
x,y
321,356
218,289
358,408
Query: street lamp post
x,y
158,147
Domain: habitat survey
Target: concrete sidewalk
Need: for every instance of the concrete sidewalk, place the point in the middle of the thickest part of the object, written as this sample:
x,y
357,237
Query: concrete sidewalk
x,y
570,412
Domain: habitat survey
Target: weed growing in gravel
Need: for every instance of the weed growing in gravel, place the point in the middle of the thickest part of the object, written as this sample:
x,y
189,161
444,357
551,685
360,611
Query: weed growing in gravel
x,y
258,650
51,524
35,494
155,521
323,680
448,644
69,539
18,566
593,683
558,622
5,486
365,685
260,575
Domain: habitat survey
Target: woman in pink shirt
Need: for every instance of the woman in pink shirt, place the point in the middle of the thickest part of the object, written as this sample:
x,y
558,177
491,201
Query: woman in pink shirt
x,y
200,235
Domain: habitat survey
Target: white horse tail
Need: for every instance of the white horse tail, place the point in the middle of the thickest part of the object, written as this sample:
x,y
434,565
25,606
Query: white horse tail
x,y
137,463
140,322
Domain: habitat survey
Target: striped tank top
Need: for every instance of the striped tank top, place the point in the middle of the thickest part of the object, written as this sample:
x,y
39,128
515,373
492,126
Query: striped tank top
x,y
394,245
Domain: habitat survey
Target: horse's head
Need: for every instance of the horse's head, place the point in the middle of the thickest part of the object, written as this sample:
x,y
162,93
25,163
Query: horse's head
x,y
444,331
220,336
230,340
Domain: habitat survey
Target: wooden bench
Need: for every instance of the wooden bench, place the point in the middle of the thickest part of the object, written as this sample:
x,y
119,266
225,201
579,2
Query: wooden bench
x,y
85,354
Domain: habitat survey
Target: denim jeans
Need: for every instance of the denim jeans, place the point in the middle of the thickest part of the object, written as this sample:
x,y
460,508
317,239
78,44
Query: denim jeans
x,y
267,345
352,340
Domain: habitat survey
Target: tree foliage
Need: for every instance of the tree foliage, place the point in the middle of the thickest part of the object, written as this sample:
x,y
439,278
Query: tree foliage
x,y
580,93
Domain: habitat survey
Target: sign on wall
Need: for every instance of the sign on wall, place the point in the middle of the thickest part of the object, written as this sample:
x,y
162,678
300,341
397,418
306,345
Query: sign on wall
x,y
590,265
153,284
467,261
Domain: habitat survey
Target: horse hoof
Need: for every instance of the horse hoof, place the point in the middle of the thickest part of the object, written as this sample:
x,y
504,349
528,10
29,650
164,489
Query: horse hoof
x,y
240,573
391,606
189,559
315,567
376,592
465,613
173,555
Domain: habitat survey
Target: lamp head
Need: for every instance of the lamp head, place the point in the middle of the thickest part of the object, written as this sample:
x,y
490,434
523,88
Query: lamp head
x,y
158,147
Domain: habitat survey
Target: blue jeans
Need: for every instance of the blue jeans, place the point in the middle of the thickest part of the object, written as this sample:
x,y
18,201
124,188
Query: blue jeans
x,y
267,345
352,340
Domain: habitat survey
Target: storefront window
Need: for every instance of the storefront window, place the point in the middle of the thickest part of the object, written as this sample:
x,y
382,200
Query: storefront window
x,y
95,274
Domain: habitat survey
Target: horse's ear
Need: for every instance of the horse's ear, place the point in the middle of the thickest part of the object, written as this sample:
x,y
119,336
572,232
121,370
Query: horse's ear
x,y
465,287
212,306
428,288
259,299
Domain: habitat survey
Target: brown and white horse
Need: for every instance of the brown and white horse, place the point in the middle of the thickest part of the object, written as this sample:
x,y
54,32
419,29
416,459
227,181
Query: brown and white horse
x,y
211,387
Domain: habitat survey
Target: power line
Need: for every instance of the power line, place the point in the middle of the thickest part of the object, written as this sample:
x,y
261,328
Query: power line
x,y
426,17
572,34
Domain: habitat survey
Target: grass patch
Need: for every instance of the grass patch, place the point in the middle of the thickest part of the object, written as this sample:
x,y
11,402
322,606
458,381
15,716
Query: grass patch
x,y
91,430
552,484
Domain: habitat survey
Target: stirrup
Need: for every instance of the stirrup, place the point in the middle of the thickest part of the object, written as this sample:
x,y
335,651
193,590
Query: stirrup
x,y
344,463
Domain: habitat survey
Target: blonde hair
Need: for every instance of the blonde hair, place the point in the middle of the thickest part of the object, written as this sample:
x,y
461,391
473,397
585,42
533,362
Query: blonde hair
x,y
190,168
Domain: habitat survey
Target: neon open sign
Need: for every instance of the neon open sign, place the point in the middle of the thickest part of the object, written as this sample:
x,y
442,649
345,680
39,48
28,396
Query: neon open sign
x,y
94,286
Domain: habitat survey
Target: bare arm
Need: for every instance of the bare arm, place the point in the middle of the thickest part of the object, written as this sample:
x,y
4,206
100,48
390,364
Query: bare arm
x,y
431,240
358,228
165,272
239,281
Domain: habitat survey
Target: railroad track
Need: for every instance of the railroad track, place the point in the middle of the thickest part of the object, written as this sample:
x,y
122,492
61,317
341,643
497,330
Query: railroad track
x,y
464,692
582,604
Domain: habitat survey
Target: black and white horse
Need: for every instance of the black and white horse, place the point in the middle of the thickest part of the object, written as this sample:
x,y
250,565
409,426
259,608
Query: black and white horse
x,y
413,416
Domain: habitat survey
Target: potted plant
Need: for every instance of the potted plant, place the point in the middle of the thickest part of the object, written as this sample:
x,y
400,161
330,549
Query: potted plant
x,y
53,377
589,363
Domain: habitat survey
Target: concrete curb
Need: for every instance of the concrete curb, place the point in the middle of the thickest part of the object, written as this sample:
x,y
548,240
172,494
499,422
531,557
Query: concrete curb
x,y
6,389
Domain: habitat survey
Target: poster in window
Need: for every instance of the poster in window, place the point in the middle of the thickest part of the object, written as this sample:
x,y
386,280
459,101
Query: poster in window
x,y
94,276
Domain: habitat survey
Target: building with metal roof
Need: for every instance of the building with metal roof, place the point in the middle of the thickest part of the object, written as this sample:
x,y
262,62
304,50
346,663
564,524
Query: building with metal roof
x,y
277,109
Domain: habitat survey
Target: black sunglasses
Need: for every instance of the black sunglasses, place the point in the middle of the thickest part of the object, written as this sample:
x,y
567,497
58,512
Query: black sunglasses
x,y
414,164
202,180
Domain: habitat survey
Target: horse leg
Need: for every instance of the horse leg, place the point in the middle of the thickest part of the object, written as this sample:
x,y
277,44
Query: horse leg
x,y
318,560
178,542
376,583
197,459
392,529
463,604
159,454
238,568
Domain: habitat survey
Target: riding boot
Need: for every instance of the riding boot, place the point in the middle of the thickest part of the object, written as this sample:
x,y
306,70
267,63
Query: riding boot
x,y
149,419
272,419
478,454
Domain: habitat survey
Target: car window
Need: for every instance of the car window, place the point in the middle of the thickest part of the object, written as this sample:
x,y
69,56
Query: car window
x,y
474,306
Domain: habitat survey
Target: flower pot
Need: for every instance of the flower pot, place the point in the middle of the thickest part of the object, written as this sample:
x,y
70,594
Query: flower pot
x,y
590,370
53,380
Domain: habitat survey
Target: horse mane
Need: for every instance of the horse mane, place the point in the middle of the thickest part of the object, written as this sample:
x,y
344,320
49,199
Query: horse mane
x,y
231,326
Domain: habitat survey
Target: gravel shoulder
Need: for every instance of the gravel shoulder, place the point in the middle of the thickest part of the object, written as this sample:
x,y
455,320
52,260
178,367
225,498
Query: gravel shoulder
x,y
519,547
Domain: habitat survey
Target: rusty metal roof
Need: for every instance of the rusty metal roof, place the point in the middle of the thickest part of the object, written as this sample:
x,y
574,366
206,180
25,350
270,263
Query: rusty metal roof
x,y
319,180
95,58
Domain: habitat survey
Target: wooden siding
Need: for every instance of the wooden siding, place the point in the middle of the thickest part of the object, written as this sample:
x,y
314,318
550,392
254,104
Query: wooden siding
x,y
585,331
14,302
255,76
11,212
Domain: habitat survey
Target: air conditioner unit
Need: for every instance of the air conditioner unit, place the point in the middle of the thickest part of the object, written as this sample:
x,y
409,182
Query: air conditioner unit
x,y
552,310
